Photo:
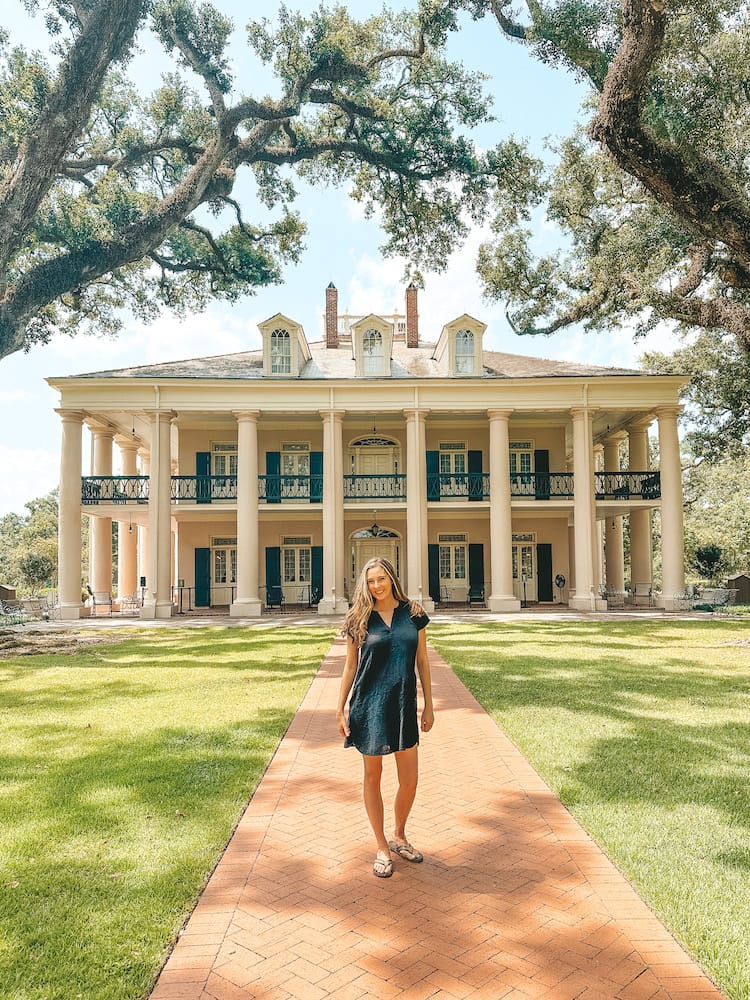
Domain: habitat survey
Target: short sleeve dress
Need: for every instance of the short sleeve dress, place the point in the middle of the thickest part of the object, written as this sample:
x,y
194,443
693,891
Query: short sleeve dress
x,y
383,706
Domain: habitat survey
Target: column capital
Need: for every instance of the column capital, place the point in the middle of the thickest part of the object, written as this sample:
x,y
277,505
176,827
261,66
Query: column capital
x,y
580,412
668,411
126,443
100,427
71,416
161,415
335,415
246,415
415,412
614,437
641,423
499,414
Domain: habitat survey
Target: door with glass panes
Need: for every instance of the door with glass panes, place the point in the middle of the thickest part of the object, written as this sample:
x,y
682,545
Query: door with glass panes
x,y
454,580
524,568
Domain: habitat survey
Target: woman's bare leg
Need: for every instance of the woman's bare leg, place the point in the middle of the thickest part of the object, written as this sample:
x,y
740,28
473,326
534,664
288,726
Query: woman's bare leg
x,y
374,799
407,765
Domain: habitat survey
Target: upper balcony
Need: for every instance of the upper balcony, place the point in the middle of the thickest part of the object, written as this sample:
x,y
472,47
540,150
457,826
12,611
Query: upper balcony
x,y
468,486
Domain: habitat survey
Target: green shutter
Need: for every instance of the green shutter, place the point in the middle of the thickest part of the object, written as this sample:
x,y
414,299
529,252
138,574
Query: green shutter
x,y
203,476
433,476
316,577
274,594
433,571
476,571
202,578
273,477
316,478
541,474
544,572
475,475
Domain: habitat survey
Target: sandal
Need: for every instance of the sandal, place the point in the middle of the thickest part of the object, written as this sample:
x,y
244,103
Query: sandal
x,y
382,866
406,851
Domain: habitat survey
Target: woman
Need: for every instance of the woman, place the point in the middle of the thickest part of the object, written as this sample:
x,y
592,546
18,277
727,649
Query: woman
x,y
385,637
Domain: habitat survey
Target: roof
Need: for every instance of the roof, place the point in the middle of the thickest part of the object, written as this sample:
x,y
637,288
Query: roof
x,y
338,363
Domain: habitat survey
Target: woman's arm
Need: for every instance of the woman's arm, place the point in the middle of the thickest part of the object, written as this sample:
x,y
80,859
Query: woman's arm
x,y
425,679
347,679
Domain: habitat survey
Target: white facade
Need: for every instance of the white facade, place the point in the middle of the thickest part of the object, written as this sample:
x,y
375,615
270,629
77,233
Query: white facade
x,y
275,474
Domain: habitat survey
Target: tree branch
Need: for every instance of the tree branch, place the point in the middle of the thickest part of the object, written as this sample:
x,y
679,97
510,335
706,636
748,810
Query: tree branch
x,y
696,188
105,35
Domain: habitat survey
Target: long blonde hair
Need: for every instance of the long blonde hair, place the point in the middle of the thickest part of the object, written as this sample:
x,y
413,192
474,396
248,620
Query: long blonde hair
x,y
358,615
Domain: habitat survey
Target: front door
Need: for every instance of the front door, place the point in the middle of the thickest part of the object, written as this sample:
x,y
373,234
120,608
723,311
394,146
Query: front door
x,y
371,548
524,571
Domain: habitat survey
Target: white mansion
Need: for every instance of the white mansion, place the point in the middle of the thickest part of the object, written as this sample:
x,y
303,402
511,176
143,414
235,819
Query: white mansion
x,y
250,479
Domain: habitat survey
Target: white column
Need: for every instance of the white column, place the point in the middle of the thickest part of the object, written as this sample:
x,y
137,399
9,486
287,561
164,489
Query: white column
x,y
143,546
502,597
247,602
158,602
641,547
614,555
333,600
415,524
127,532
100,556
672,534
598,526
585,597
424,573
69,516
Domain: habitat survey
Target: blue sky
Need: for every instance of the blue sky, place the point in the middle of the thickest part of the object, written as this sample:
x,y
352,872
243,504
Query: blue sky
x,y
531,101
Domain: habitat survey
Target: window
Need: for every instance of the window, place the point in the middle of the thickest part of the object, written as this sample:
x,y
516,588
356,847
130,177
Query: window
x,y
224,459
224,560
295,459
296,560
464,352
452,558
372,353
281,352
521,454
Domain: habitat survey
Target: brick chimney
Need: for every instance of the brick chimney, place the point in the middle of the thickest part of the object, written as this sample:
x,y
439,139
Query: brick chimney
x,y
332,316
412,317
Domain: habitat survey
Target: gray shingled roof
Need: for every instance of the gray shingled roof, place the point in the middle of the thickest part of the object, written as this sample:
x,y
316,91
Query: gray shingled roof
x,y
338,363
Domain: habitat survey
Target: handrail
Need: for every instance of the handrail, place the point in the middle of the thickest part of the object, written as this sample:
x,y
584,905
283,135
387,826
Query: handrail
x,y
390,486
627,485
114,489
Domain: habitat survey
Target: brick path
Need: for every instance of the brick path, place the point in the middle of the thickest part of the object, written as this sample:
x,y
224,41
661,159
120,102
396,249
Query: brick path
x,y
513,899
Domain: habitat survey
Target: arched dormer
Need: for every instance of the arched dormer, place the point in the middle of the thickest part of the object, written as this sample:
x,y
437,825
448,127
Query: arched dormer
x,y
459,349
372,342
285,349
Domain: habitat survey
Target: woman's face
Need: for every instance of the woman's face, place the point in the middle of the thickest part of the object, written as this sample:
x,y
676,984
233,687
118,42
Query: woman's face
x,y
379,583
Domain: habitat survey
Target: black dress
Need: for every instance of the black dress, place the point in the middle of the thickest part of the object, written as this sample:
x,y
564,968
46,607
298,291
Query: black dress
x,y
383,706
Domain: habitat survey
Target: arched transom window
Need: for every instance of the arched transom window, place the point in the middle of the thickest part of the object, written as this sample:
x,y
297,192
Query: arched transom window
x,y
281,352
465,352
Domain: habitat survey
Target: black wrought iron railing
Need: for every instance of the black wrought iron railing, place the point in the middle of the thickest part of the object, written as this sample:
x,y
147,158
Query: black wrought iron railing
x,y
383,487
627,485
276,488
204,489
541,485
458,485
114,489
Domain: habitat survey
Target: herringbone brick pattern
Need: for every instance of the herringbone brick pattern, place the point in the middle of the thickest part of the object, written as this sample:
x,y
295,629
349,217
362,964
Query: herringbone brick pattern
x,y
513,899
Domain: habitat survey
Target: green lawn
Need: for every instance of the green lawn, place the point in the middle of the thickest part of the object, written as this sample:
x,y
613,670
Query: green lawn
x,y
123,769
643,730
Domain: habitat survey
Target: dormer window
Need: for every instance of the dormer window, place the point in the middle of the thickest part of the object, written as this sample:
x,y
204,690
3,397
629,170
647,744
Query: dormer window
x,y
372,353
372,341
464,352
459,348
281,352
285,350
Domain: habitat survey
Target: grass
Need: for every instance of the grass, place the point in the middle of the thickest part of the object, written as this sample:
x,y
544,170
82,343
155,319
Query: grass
x,y
123,770
643,730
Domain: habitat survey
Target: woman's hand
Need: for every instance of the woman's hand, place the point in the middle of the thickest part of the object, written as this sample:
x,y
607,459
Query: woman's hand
x,y
428,719
343,723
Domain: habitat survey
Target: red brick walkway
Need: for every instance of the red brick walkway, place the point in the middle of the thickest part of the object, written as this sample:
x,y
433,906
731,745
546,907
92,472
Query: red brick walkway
x,y
513,899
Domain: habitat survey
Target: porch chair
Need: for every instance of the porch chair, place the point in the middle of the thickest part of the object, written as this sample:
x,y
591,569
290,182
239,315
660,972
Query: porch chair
x,y
274,596
101,603
130,604
475,596
615,598
643,592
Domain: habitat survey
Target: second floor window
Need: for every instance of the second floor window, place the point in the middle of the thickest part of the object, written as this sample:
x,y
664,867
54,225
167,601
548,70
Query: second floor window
x,y
281,353
372,353
224,460
465,352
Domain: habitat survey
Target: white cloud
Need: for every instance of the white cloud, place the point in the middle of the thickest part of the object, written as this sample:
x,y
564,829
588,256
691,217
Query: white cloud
x,y
35,471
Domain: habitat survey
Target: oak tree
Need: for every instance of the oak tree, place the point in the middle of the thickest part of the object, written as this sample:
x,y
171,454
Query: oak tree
x,y
114,199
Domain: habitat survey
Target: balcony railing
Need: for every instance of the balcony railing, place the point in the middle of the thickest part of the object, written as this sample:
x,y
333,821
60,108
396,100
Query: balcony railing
x,y
277,488
628,485
387,487
458,485
204,489
541,485
114,489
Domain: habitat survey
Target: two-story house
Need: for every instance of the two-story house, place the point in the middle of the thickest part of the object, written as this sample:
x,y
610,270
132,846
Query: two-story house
x,y
272,475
